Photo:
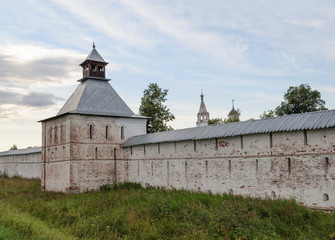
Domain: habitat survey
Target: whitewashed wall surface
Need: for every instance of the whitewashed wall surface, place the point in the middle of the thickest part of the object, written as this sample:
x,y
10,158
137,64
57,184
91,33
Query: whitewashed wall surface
x,y
297,164
25,163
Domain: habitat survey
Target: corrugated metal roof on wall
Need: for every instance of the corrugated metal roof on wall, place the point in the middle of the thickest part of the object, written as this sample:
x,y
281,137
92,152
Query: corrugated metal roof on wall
x,y
22,151
295,122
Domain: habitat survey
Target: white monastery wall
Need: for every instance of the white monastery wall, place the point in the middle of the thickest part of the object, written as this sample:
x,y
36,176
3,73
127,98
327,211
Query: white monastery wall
x,y
26,165
297,165
84,152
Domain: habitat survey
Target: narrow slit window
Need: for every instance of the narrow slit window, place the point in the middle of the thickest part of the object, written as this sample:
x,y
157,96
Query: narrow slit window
x,y
185,168
91,131
131,150
106,132
144,151
271,141
206,165
305,137
256,165
96,153
326,164
122,132
216,144
241,142
195,145
289,165
229,166
159,148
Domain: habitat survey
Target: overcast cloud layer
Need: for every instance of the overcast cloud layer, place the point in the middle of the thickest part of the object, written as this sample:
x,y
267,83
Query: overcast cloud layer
x,y
250,51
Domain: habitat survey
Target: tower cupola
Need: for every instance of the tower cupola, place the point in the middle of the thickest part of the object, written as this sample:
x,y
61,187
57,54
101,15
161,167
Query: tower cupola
x,y
203,115
233,116
94,65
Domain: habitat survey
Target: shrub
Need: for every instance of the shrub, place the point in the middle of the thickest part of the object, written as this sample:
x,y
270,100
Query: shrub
x,y
4,174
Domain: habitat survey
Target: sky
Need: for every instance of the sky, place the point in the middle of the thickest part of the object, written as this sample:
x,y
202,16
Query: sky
x,y
249,51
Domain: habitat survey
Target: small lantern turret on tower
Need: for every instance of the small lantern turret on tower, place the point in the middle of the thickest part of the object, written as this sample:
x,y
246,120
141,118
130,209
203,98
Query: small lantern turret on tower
x,y
94,65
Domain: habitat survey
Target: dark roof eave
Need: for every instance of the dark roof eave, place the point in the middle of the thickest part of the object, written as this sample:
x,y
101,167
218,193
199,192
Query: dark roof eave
x,y
87,114
94,78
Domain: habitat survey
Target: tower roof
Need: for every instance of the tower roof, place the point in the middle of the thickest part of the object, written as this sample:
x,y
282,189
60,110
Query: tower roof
x,y
202,108
94,56
95,97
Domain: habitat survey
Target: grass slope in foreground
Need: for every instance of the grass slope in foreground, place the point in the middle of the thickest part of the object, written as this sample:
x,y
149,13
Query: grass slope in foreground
x,y
128,211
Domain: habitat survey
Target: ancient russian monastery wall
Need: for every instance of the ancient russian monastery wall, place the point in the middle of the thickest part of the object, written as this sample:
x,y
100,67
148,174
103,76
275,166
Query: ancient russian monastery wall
x,y
297,165
24,163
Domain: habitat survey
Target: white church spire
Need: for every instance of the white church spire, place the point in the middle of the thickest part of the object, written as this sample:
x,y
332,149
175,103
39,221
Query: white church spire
x,y
203,115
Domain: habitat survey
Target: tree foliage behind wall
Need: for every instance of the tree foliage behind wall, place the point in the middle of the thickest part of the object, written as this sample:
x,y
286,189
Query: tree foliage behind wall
x,y
152,105
300,99
14,147
215,121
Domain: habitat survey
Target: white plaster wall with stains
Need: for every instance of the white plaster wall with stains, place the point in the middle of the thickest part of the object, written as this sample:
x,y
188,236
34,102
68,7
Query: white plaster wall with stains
x,y
286,165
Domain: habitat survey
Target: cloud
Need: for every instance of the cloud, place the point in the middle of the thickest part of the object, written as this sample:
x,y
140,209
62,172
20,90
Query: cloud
x,y
32,99
282,37
36,99
24,64
9,110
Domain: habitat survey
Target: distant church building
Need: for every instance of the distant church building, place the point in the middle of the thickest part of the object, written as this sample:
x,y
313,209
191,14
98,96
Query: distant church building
x,y
203,115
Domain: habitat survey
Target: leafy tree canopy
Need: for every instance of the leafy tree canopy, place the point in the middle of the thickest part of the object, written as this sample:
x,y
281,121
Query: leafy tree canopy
x,y
152,106
215,121
300,99
268,114
14,147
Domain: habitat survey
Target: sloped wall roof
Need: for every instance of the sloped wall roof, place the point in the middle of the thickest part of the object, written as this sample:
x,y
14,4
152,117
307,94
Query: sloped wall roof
x,y
22,151
295,122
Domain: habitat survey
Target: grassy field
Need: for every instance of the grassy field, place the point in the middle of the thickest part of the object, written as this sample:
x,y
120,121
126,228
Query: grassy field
x,y
128,211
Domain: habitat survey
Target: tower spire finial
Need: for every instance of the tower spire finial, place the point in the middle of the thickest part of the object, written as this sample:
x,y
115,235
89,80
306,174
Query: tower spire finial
x,y
93,45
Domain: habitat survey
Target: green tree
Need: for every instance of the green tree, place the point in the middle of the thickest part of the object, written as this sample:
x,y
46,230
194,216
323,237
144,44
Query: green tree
x,y
268,114
14,147
152,106
300,99
215,121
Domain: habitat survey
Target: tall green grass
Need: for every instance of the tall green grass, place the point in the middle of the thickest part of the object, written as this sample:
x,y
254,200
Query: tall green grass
x,y
128,211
